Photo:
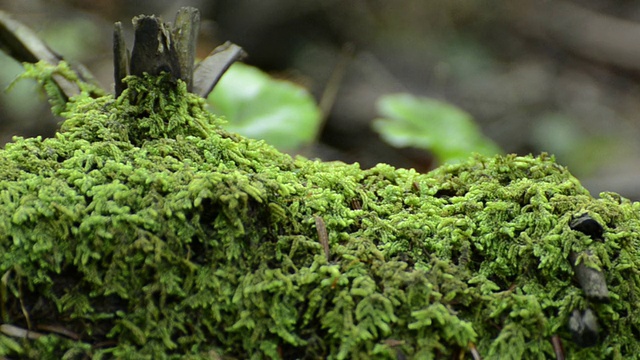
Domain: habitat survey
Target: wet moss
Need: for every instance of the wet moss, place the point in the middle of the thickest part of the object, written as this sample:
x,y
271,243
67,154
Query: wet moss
x,y
148,232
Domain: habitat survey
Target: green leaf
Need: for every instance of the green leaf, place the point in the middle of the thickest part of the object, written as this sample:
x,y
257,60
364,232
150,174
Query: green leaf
x,y
260,107
448,132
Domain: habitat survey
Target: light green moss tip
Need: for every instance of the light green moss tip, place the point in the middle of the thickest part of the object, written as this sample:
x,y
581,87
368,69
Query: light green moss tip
x,y
150,233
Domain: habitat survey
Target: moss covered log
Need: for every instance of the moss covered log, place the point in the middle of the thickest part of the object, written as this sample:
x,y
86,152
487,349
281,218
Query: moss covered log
x,y
142,230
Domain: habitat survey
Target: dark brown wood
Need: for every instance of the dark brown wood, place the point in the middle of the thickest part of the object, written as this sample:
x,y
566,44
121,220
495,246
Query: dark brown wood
x,y
323,236
209,71
588,226
185,36
120,59
58,329
154,50
160,48
556,342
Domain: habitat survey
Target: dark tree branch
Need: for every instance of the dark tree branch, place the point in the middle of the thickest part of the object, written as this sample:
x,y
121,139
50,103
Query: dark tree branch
x,y
209,71
24,45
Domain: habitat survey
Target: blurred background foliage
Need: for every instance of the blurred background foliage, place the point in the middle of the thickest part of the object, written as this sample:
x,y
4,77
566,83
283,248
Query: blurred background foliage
x,y
258,106
449,133
555,76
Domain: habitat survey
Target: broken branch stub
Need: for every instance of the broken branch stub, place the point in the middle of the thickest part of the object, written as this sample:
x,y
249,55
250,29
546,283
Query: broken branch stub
x,y
120,59
185,33
159,47
154,49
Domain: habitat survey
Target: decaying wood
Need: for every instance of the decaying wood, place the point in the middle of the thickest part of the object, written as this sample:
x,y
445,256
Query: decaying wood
x,y
209,71
154,49
323,236
24,45
120,59
185,35
158,47
592,281
584,327
558,350
588,226
18,332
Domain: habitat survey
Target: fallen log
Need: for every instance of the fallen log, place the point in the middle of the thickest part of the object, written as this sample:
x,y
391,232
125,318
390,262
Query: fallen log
x,y
144,230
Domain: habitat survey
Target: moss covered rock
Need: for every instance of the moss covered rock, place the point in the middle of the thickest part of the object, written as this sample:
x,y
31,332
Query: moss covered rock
x,y
145,231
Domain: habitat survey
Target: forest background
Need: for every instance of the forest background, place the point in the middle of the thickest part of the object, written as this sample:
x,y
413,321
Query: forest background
x,y
561,77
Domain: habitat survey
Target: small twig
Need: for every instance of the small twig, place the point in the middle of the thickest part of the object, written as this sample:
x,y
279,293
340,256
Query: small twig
x,y
393,342
322,235
22,44
22,307
58,329
474,351
103,344
557,347
19,332
415,186
4,281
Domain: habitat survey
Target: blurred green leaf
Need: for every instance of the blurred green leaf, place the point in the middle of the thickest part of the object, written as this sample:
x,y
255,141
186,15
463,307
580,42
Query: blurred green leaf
x,y
448,132
255,105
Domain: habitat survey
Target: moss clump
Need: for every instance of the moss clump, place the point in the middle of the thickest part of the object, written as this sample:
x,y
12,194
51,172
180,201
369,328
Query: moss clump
x,y
147,232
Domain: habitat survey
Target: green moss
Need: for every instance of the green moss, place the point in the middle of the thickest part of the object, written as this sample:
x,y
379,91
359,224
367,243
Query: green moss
x,y
47,76
151,233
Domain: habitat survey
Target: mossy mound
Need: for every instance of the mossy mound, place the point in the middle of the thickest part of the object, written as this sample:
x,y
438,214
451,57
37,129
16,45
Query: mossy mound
x,y
144,231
